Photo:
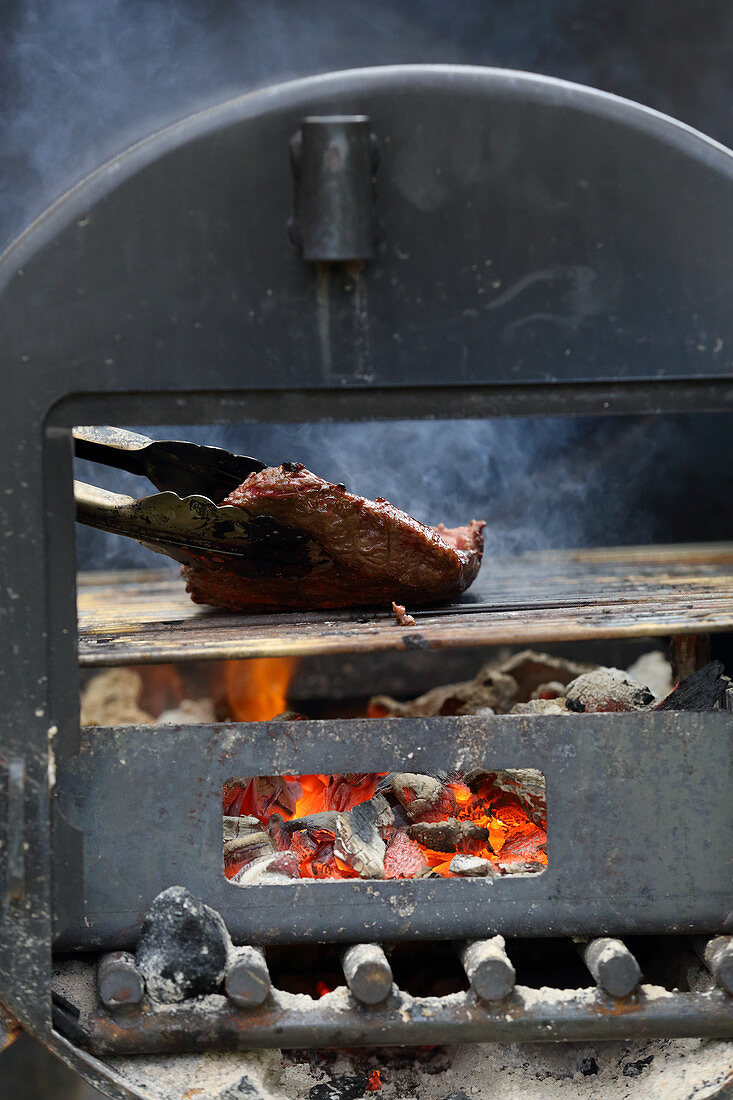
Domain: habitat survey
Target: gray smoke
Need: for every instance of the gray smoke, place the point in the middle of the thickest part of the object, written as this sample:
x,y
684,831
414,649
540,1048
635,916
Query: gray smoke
x,y
539,483
82,79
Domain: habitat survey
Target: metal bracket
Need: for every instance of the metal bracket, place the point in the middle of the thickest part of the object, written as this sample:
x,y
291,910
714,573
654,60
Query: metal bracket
x,y
333,160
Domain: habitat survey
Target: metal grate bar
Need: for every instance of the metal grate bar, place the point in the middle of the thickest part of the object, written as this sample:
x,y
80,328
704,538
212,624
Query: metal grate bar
x,y
146,617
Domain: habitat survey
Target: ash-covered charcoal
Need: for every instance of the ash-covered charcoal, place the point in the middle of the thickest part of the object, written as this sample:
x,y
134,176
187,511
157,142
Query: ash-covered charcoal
x,y
416,793
490,691
543,706
324,821
608,689
358,843
183,947
702,690
240,826
530,670
248,847
404,858
445,836
313,544
518,867
472,867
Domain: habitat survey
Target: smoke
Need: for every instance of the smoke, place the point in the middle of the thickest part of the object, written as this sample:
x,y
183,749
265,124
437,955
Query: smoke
x,y
540,483
83,79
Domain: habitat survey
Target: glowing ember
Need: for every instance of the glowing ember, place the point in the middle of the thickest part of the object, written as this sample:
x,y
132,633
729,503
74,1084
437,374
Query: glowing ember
x,y
308,818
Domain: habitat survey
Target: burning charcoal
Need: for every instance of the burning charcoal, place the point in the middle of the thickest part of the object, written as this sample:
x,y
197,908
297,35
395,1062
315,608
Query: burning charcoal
x,y
248,847
416,793
527,784
358,843
404,858
400,613
183,947
278,833
489,690
609,689
529,670
472,867
653,669
700,691
445,836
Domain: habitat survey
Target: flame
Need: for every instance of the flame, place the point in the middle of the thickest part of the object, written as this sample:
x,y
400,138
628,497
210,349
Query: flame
x,y
257,689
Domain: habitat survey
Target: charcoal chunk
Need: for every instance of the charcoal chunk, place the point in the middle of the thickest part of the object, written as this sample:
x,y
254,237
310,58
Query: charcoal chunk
x,y
588,1067
635,1069
183,947
340,1088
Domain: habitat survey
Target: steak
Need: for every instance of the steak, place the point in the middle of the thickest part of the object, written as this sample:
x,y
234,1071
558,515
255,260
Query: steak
x,y
325,547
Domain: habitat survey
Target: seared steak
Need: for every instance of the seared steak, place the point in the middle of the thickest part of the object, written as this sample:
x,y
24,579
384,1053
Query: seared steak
x,y
325,547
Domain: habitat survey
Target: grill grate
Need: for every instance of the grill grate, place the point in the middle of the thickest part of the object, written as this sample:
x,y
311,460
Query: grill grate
x,y
138,617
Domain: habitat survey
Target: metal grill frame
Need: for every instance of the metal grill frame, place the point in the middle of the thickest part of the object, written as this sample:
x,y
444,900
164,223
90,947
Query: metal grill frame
x,y
93,332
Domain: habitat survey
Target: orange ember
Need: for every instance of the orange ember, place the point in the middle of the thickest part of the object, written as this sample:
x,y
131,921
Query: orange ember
x,y
257,689
374,1083
513,836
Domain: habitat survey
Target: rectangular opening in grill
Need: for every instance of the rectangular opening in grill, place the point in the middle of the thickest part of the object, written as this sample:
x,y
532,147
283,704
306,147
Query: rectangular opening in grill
x,y
479,823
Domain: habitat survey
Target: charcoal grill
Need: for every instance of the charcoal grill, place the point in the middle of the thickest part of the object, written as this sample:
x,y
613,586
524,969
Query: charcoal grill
x,y
165,289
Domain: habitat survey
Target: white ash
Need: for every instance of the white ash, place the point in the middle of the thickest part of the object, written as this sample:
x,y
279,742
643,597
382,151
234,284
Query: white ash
x,y
653,669
608,689
111,698
472,866
188,712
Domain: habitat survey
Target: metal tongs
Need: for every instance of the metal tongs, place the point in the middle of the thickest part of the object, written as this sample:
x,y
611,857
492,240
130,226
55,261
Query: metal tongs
x,y
185,520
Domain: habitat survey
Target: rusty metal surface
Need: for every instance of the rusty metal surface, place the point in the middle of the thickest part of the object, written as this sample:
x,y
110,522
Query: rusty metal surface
x,y
138,616
640,827
337,1019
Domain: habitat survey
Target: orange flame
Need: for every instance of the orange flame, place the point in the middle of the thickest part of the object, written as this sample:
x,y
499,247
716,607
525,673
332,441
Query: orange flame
x,y
257,689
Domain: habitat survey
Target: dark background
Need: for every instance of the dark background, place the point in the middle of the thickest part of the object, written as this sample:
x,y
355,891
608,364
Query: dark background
x,y
82,79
